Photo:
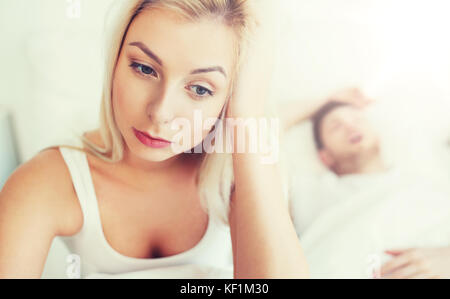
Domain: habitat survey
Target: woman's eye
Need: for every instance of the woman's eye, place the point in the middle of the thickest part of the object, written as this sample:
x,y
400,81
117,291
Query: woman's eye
x,y
200,91
143,69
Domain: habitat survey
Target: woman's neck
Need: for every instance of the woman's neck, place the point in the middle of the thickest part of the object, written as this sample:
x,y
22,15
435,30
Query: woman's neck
x,y
138,167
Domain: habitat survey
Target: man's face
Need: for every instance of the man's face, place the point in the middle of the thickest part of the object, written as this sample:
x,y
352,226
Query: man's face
x,y
346,133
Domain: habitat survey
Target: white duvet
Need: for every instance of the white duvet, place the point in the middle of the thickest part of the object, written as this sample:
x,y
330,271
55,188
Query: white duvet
x,y
362,217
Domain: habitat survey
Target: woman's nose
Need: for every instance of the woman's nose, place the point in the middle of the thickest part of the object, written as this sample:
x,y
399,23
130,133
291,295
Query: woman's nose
x,y
160,107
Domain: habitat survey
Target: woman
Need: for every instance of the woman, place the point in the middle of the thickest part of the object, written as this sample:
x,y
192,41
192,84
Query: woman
x,y
149,203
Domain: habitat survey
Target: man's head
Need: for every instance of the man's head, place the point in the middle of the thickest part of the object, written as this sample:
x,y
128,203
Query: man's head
x,y
343,135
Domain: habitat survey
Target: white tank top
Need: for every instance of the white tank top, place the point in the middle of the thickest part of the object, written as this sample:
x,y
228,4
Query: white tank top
x,y
96,254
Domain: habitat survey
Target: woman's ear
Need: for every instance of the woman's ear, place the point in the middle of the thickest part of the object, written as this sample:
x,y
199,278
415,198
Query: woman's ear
x,y
326,158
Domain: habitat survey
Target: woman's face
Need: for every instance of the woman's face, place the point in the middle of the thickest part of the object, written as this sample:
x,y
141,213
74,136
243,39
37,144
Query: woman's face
x,y
168,69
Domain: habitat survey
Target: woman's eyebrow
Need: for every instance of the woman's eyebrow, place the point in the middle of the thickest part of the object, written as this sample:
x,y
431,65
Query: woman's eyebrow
x,y
147,51
153,56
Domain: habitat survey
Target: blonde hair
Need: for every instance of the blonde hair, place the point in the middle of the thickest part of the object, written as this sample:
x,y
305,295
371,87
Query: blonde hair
x,y
215,176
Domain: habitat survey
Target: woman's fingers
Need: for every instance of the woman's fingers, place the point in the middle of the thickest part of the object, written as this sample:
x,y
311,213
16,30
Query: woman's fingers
x,y
255,75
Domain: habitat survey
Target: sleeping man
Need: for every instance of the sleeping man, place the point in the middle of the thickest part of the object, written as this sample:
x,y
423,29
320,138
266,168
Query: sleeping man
x,y
364,218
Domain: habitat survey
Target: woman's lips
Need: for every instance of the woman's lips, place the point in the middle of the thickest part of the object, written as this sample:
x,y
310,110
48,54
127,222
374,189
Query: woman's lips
x,y
150,141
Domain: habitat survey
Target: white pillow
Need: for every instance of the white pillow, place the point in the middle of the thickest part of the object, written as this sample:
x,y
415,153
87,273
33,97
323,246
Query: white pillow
x,y
67,62
66,68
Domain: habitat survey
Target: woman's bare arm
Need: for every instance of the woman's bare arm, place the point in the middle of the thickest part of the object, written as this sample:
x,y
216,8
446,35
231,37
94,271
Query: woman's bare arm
x,y
33,210
265,243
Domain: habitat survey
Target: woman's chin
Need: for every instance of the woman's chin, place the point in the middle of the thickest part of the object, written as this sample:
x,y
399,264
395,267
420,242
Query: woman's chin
x,y
152,155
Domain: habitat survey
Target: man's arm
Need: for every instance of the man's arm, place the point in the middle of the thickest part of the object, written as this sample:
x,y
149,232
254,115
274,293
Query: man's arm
x,y
417,263
293,113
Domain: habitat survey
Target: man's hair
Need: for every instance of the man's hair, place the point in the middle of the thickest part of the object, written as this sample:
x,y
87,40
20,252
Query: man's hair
x,y
318,117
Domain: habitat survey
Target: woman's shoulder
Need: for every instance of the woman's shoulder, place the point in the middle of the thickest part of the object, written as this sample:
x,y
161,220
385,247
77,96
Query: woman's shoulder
x,y
44,182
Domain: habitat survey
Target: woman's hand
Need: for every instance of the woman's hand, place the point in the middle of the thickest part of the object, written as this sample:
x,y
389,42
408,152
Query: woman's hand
x,y
418,263
253,80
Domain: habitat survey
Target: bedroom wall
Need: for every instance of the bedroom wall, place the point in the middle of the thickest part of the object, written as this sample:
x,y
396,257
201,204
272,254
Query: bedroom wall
x,y
51,68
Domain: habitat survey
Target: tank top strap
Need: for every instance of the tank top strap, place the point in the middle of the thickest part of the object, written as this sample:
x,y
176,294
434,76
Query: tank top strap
x,y
78,166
